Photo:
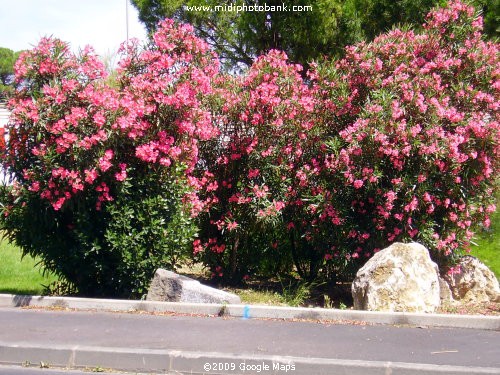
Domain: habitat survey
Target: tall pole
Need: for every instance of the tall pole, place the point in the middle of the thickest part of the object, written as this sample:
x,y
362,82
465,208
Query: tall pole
x,y
126,17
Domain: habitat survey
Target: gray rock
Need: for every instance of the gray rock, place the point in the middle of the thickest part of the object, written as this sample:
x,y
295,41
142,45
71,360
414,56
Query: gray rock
x,y
444,291
475,282
401,277
171,287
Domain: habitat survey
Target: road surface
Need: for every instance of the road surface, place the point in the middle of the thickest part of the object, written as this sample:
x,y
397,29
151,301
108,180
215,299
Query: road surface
x,y
232,345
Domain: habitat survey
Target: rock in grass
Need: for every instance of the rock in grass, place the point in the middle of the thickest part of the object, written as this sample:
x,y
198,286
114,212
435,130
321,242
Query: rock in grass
x,y
171,287
401,277
473,282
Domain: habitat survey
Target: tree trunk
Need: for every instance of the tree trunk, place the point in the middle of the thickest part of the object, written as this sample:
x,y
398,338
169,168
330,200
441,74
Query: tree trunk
x,y
233,264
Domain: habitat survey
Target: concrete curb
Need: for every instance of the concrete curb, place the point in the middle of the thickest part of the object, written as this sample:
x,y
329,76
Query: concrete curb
x,y
255,311
136,360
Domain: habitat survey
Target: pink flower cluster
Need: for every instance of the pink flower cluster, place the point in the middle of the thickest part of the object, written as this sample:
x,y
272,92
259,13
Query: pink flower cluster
x,y
72,133
416,150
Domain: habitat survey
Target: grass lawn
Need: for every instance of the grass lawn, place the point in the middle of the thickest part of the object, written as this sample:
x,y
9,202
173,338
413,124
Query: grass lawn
x,y
20,276
488,249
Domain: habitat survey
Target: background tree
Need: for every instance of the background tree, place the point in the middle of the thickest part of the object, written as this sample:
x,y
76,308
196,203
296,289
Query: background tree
x,y
305,36
7,60
377,16
240,37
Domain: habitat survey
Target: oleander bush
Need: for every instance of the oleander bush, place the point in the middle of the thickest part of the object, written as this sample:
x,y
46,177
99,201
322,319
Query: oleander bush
x,y
100,190
414,153
269,137
398,141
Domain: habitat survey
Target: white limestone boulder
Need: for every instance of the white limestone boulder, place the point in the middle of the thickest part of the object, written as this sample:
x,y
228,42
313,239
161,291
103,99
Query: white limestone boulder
x,y
401,277
171,287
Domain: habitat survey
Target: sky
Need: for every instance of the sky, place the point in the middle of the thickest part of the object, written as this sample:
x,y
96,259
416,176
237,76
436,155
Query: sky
x,y
99,23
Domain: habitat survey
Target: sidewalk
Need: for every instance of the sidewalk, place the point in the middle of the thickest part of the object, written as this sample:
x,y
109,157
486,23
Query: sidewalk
x,y
232,345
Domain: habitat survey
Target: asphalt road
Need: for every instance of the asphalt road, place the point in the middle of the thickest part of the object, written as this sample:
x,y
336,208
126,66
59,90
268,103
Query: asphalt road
x,y
251,337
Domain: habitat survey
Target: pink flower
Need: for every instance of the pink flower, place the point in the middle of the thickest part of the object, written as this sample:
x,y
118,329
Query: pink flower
x,y
260,192
35,186
232,225
252,173
197,247
412,206
104,161
278,205
358,184
59,203
90,176
147,153
122,175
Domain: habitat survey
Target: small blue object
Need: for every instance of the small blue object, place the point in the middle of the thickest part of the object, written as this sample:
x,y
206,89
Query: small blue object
x,y
246,312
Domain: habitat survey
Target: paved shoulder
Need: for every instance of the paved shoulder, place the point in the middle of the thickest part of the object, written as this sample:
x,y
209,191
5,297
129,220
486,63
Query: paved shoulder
x,y
33,370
